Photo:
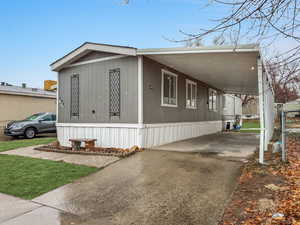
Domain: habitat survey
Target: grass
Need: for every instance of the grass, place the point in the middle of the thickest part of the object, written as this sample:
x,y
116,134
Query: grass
x,y
29,177
251,124
9,145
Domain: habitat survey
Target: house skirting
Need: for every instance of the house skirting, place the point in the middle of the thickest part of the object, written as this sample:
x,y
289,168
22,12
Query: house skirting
x,y
128,135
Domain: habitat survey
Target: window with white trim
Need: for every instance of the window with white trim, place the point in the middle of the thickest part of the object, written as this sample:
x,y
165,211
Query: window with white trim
x,y
212,100
169,89
191,94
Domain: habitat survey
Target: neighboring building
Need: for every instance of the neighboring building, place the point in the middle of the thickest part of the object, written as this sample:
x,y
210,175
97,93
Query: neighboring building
x,y
124,96
20,102
293,107
232,110
251,109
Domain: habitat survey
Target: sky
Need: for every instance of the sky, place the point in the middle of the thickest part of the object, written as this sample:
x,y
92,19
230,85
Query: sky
x,y
34,33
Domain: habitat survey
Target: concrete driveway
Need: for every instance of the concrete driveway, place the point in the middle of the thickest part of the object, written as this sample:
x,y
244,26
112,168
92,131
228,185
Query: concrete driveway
x,y
150,188
222,144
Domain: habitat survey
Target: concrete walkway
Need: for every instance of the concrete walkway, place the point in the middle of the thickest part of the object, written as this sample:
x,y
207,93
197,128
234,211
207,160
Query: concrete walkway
x,y
148,188
88,160
18,211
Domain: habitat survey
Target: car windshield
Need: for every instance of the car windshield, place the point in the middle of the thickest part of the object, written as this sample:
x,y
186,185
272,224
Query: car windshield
x,y
34,116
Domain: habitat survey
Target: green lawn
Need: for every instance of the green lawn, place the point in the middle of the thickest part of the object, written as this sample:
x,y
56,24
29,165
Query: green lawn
x,y
8,145
251,124
29,177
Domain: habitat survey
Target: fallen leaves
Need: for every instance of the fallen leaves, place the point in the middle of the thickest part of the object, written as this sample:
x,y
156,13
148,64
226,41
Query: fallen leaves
x,y
268,195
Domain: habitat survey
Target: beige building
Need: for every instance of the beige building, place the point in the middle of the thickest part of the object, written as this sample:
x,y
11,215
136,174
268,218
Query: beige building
x,y
17,103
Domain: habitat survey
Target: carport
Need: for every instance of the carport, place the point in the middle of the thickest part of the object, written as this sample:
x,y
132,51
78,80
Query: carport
x,y
233,70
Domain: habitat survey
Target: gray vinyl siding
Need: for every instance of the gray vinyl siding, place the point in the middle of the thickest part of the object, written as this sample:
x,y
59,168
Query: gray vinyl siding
x,y
94,92
155,113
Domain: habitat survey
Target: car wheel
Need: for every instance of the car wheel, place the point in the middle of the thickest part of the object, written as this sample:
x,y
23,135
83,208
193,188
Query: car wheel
x,y
30,133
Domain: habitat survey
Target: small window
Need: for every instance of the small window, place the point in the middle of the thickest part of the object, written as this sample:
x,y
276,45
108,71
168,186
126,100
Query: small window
x,y
75,95
169,89
212,100
191,94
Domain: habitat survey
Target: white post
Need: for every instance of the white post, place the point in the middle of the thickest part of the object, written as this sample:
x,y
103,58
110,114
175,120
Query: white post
x,y
261,110
140,100
57,98
283,150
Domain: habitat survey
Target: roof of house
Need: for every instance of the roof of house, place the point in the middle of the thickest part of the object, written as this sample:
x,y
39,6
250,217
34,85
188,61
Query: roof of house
x,y
87,47
232,69
200,49
35,92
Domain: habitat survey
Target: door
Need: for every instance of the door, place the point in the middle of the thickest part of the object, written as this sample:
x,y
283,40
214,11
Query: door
x,y
47,123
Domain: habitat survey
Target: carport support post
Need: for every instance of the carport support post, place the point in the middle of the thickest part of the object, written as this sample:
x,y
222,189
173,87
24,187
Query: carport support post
x,y
283,151
140,101
261,110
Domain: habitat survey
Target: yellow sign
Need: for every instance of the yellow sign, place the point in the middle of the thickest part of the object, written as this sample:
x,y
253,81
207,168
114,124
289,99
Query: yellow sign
x,y
50,85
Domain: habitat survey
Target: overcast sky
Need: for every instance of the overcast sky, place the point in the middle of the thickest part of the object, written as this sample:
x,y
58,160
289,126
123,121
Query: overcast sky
x,y
35,33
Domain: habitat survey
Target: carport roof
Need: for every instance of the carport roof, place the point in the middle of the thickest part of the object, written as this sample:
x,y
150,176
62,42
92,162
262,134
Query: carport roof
x,y
232,69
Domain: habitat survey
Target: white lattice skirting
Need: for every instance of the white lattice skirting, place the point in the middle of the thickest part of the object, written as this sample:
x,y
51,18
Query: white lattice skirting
x,y
128,135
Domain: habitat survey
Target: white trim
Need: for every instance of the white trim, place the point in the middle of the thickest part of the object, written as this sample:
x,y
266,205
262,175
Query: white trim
x,y
28,94
153,125
261,110
187,82
140,100
87,47
140,89
97,60
114,125
159,134
128,135
133,125
163,71
196,51
216,93
57,98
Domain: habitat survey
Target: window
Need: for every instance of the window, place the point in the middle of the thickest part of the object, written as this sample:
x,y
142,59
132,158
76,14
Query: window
x,y
75,95
49,117
212,100
114,93
191,94
169,89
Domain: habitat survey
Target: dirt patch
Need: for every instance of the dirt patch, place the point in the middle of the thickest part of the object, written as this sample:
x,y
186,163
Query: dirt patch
x,y
268,194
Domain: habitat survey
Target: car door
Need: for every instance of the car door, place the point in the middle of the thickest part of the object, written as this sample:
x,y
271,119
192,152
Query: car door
x,y
47,123
53,124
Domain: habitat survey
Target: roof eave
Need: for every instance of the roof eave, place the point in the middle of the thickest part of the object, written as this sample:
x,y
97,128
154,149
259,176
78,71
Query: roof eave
x,y
86,47
193,51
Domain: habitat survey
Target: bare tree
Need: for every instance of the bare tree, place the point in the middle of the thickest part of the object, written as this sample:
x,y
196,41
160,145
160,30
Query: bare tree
x,y
285,78
261,21
197,42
